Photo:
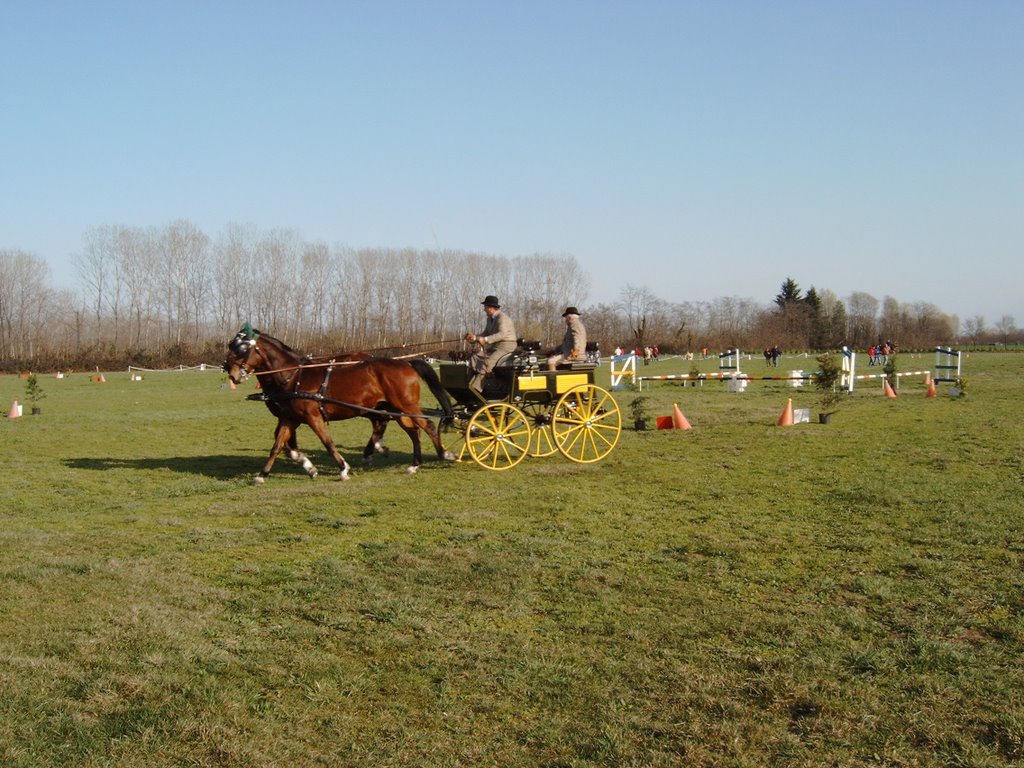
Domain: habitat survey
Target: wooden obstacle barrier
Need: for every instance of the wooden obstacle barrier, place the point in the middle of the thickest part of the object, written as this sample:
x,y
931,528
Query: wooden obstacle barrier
x,y
947,364
849,375
623,371
947,368
727,378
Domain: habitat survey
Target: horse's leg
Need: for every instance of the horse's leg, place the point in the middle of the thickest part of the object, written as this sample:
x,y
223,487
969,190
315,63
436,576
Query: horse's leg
x,y
376,443
299,457
428,426
282,435
319,426
412,429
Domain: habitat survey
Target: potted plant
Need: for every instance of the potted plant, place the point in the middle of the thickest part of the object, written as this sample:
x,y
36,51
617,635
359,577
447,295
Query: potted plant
x,y
34,393
827,380
694,376
890,372
638,410
959,388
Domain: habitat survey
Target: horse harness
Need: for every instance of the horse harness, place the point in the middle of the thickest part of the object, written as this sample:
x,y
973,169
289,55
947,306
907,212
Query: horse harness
x,y
320,396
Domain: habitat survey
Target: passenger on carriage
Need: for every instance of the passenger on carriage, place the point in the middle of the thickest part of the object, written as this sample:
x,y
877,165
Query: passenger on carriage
x,y
497,340
574,344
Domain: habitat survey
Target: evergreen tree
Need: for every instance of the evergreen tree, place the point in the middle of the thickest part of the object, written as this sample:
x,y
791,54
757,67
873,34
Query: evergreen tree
x,y
837,335
819,332
790,293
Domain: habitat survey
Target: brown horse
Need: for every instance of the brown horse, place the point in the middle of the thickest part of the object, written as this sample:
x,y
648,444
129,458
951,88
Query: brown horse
x,y
299,392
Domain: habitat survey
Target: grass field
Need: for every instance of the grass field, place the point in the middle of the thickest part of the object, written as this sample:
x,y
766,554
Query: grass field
x,y
738,594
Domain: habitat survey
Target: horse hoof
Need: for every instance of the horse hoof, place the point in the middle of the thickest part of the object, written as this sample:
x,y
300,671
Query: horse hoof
x,y
411,470
449,456
312,475
258,480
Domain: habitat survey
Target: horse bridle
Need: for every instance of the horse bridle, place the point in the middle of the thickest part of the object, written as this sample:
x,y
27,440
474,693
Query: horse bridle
x,y
243,345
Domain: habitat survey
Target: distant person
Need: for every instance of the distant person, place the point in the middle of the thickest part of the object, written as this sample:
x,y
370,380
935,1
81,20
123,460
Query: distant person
x,y
497,340
574,343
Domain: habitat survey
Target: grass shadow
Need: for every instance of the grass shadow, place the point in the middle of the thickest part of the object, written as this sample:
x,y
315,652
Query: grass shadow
x,y
229,466
217,466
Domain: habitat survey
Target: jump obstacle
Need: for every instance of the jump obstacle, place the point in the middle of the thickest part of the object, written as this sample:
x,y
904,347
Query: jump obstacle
x,y
623,371
947,368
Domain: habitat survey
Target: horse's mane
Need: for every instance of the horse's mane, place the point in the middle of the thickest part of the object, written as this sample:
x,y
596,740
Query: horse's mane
x,y
304,358
284,347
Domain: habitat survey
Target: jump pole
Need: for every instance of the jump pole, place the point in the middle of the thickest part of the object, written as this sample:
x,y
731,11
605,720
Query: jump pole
x,y
947,365
623,371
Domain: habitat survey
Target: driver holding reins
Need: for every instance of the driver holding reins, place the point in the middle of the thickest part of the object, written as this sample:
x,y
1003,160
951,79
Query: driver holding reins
x,y
497,340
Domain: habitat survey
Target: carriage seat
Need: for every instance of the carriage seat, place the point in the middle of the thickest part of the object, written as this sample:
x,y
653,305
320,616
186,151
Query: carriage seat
x,y
523,358
576,365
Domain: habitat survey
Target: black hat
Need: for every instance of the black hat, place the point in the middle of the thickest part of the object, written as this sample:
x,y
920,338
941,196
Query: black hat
x,y
570,311
491,301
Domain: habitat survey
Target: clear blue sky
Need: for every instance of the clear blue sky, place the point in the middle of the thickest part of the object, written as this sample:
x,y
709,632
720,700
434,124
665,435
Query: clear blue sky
x,y
700,149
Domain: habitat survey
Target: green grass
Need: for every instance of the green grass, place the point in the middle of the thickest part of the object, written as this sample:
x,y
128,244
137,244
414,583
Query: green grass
x,y
739,594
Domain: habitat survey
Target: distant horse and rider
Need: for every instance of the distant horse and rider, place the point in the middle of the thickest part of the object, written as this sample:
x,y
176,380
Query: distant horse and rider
x,y
299,391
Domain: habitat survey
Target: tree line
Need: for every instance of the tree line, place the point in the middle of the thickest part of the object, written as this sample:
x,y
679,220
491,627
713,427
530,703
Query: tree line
x,y
172,294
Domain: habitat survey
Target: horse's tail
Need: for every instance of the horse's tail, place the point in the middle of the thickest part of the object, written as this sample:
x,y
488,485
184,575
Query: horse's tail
x,y
429,375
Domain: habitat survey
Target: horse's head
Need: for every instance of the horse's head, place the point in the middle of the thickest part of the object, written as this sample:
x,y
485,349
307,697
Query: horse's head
x,y
244,355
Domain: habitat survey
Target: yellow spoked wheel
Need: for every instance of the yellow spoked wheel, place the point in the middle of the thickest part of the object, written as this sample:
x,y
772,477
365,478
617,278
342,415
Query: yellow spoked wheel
x,y
542,440
586,424
453,433
498,436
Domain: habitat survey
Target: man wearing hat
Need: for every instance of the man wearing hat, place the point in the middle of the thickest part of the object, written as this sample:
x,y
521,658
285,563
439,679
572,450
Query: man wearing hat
x,y
497,340
574,344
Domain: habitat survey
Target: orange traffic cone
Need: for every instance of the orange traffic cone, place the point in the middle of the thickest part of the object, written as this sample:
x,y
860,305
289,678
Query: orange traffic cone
x,y
15,412
887,389
931,389
786,419
678,420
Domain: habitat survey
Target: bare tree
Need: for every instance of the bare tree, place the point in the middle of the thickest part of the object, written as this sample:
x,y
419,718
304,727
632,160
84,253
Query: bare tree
x,y
862,309
1005,327
25,302
638,304
732,322
315,280
99,269
275,272
974,328
233,270
136,250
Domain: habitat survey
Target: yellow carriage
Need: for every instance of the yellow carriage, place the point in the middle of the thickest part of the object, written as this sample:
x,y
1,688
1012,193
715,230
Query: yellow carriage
x,y
526,411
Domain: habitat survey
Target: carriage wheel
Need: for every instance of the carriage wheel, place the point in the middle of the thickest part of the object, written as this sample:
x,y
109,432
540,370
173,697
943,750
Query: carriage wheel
x,y
454,434
498,436
542,440
586,424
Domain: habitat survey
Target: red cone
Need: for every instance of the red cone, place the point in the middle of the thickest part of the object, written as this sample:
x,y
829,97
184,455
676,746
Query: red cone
x,y
786,419
678,420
